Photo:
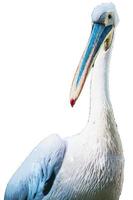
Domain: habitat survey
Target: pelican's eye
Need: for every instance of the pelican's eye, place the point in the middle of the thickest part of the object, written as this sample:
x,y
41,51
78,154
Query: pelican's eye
x,y
109,16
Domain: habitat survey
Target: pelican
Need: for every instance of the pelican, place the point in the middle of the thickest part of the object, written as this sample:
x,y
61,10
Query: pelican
x,y
89,165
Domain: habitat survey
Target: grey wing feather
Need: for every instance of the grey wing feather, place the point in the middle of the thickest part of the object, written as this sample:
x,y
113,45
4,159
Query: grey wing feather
x,y
35,177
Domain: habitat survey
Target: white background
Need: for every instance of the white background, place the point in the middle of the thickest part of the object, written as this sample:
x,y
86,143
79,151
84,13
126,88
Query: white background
x,y
41,43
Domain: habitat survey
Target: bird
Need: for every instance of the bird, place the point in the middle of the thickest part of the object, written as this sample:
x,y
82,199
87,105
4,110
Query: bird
x,y
88,165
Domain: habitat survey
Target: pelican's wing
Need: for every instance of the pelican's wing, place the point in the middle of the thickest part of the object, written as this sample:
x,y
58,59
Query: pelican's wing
x,y
35,177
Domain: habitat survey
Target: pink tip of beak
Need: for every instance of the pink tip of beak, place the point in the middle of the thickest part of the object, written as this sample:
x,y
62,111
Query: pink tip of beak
x,y
72,102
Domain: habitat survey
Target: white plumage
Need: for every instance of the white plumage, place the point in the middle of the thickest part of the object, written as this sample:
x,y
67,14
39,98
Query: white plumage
x,y
87,166
104,7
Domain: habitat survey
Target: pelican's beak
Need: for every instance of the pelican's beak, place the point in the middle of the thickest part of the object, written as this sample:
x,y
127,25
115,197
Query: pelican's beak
x,y
100,35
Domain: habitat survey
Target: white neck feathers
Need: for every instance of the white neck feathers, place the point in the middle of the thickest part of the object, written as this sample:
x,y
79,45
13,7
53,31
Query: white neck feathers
x,y
99,97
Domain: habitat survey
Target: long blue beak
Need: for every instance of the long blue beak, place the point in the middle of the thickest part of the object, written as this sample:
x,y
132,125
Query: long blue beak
x,y
98,35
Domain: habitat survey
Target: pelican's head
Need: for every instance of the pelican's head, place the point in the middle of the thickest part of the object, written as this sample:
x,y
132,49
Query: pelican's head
x,y
104,21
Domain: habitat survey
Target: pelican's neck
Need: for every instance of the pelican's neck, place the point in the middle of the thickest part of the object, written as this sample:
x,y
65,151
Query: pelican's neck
x,y
99,97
